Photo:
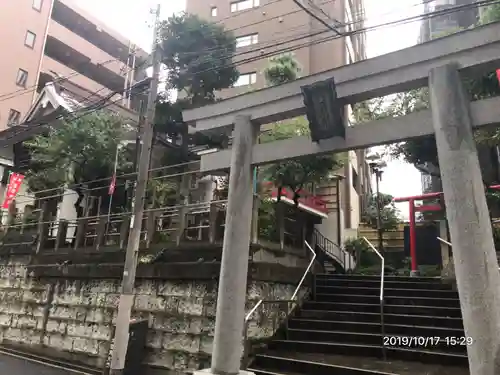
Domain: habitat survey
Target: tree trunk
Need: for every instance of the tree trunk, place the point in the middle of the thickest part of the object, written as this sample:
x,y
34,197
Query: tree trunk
x,y
79,210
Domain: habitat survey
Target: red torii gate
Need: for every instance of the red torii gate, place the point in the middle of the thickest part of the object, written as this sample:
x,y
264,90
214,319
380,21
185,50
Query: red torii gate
x,y
423,208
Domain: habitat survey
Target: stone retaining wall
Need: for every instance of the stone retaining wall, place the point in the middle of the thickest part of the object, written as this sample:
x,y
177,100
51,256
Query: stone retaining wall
x,y
75,316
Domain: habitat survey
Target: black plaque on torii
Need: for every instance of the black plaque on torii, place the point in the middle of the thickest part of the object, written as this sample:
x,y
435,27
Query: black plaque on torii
x,y
324,111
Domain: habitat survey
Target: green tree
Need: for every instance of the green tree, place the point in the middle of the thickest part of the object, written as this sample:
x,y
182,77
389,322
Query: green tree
x,y
282,69
198,57
489,14
389,214
422,152
294,174
77,152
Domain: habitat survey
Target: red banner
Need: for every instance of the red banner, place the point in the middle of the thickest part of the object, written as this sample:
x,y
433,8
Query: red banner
x,y
15,181
112,186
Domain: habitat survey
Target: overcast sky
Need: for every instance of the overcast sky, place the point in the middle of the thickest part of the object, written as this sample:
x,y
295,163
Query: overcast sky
x,y
132,18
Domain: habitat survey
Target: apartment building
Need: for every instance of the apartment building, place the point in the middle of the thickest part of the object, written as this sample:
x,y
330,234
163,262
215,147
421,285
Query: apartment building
x,y
435,26
44,40
431,28
264,27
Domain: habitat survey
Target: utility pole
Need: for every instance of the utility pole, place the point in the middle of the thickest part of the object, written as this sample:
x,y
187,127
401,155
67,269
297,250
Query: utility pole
x,y
137,155
127,292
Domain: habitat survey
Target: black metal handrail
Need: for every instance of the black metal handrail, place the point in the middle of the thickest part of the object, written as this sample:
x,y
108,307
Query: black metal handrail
x,y
332,249
293,301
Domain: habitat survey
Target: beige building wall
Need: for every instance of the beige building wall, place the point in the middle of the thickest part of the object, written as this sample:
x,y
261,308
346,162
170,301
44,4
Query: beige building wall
x,y
51,65
17,17
279,25
94,54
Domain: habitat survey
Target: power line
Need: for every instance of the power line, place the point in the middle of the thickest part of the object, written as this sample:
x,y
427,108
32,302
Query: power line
x,y
355,15
350,33
79,113
231,31
406,20
245,11
32,88
67,78
260,47
74,74
425,15
301,6
354,32
321,10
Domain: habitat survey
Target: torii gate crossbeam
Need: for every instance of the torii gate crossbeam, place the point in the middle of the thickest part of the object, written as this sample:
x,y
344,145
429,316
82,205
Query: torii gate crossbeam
x,y
474,51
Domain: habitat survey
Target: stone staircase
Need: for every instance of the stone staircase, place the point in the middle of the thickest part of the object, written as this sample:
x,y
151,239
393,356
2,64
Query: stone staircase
x,y
339,330
334,258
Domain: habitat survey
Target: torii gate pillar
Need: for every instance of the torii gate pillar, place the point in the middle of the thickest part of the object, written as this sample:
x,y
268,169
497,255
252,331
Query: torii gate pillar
x,y
476,265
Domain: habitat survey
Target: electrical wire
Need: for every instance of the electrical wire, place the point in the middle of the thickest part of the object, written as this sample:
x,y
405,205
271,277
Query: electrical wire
x,y
259,45
355,15
280,41
371,28
77,114
102,103
230,32
74,74
310,13
32,88
313,5
245,11
399,22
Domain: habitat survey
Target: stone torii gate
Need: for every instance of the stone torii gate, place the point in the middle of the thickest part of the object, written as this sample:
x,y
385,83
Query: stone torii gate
x,y
436,64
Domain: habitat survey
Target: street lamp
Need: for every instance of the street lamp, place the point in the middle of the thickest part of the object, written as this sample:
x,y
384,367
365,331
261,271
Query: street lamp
x,y
377,165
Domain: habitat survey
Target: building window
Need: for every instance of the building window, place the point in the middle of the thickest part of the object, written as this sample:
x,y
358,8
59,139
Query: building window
x,y
22,78
246,79
247,40
237,6
30,39
213,11
37,5
14,117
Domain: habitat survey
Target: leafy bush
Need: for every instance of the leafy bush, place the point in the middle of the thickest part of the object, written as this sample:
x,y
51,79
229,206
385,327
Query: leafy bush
x,y
389,214
365,256
267,221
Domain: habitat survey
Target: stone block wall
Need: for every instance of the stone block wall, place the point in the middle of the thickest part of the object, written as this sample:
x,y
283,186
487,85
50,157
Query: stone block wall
x,y
80,318
22,302
75,317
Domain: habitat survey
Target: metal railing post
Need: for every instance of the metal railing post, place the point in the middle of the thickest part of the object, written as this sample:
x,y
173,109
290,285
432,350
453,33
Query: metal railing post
x,y
288,303
381,296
